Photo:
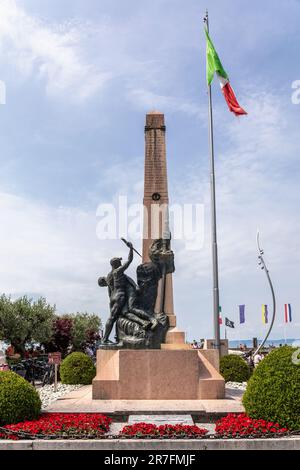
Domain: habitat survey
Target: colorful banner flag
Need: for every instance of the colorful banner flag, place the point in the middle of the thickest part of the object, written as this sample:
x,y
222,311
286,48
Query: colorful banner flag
x,y
287,313
220,316
265,314
229,323
242,313
214,65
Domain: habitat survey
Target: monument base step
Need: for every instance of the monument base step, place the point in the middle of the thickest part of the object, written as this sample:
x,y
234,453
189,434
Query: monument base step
x,y
175,346
155,374
174,335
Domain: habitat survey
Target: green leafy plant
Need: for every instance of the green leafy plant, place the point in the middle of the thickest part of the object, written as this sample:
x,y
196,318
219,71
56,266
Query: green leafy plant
x,y
74,332
85,330
19,401
273,391
24,321
234,369
77,368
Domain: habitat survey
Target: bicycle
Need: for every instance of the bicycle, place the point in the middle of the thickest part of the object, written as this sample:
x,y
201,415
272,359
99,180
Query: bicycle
x,y
49,375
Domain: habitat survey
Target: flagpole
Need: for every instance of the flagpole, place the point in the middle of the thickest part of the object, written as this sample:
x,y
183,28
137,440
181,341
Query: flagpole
x,y
216,302
284,332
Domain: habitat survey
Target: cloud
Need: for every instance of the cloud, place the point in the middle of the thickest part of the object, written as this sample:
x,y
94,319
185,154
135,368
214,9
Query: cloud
x,y
252,193
146,99
80,59
51,252
54,252
51,53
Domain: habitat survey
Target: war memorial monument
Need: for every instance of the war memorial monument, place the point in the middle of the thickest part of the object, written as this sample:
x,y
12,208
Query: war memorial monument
x,y
148,358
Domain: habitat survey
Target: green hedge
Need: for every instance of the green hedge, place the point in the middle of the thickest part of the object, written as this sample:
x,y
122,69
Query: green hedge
x,y
77,368
234,369
273,392
19,401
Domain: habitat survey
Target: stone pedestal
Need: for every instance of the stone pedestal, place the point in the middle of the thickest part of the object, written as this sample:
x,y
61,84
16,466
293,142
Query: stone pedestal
x,y
209,344
157,375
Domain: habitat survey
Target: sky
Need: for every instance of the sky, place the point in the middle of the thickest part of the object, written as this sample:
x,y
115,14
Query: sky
x,y
80,75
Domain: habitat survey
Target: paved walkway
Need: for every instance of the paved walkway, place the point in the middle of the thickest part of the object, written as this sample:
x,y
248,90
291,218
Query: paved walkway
x,y
81,401
288,443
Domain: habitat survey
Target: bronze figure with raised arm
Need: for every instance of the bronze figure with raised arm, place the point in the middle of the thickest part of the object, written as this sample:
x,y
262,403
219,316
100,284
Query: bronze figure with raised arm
x,y
116,281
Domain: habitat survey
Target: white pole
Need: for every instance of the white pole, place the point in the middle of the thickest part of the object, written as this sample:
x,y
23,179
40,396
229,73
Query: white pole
x,y
55,377
216,302
284,329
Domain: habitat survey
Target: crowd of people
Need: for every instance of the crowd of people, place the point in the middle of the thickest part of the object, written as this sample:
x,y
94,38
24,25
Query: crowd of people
x,y
252,360
197,344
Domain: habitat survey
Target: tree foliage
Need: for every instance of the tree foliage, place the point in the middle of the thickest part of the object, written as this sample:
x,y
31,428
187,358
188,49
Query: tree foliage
x,y
85,331
234,368
74,332
61,339
24,321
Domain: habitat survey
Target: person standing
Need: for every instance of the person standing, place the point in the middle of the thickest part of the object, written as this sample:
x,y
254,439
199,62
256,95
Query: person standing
x,y
257,359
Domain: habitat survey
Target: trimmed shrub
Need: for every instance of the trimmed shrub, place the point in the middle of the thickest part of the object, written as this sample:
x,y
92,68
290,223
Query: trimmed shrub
x,y
234,369
77,368
19,401
273,392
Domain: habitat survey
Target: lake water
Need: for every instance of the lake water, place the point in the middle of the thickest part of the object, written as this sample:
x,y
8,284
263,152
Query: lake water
x,y
273,342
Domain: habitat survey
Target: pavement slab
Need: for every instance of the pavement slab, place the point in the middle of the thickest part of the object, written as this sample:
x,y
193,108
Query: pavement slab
x,y
161,419
80,401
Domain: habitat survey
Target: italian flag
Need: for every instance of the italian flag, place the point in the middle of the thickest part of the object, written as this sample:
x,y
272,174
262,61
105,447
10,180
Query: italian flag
x,y
213,65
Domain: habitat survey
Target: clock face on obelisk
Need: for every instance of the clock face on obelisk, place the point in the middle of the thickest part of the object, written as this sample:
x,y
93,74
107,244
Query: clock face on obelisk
x,y
155,197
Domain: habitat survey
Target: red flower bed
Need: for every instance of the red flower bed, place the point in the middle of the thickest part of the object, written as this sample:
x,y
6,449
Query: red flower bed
x,y
142,430
243,426
60,424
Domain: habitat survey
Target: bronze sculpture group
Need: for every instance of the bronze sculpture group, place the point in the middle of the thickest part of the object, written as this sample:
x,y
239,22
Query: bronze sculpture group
x,y
132,305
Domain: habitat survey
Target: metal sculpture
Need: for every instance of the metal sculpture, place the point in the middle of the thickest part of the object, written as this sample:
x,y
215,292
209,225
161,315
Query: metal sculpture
x,y
263,266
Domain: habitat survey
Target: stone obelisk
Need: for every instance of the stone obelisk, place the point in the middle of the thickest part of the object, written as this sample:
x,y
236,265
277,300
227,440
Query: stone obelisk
x,y
156,200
